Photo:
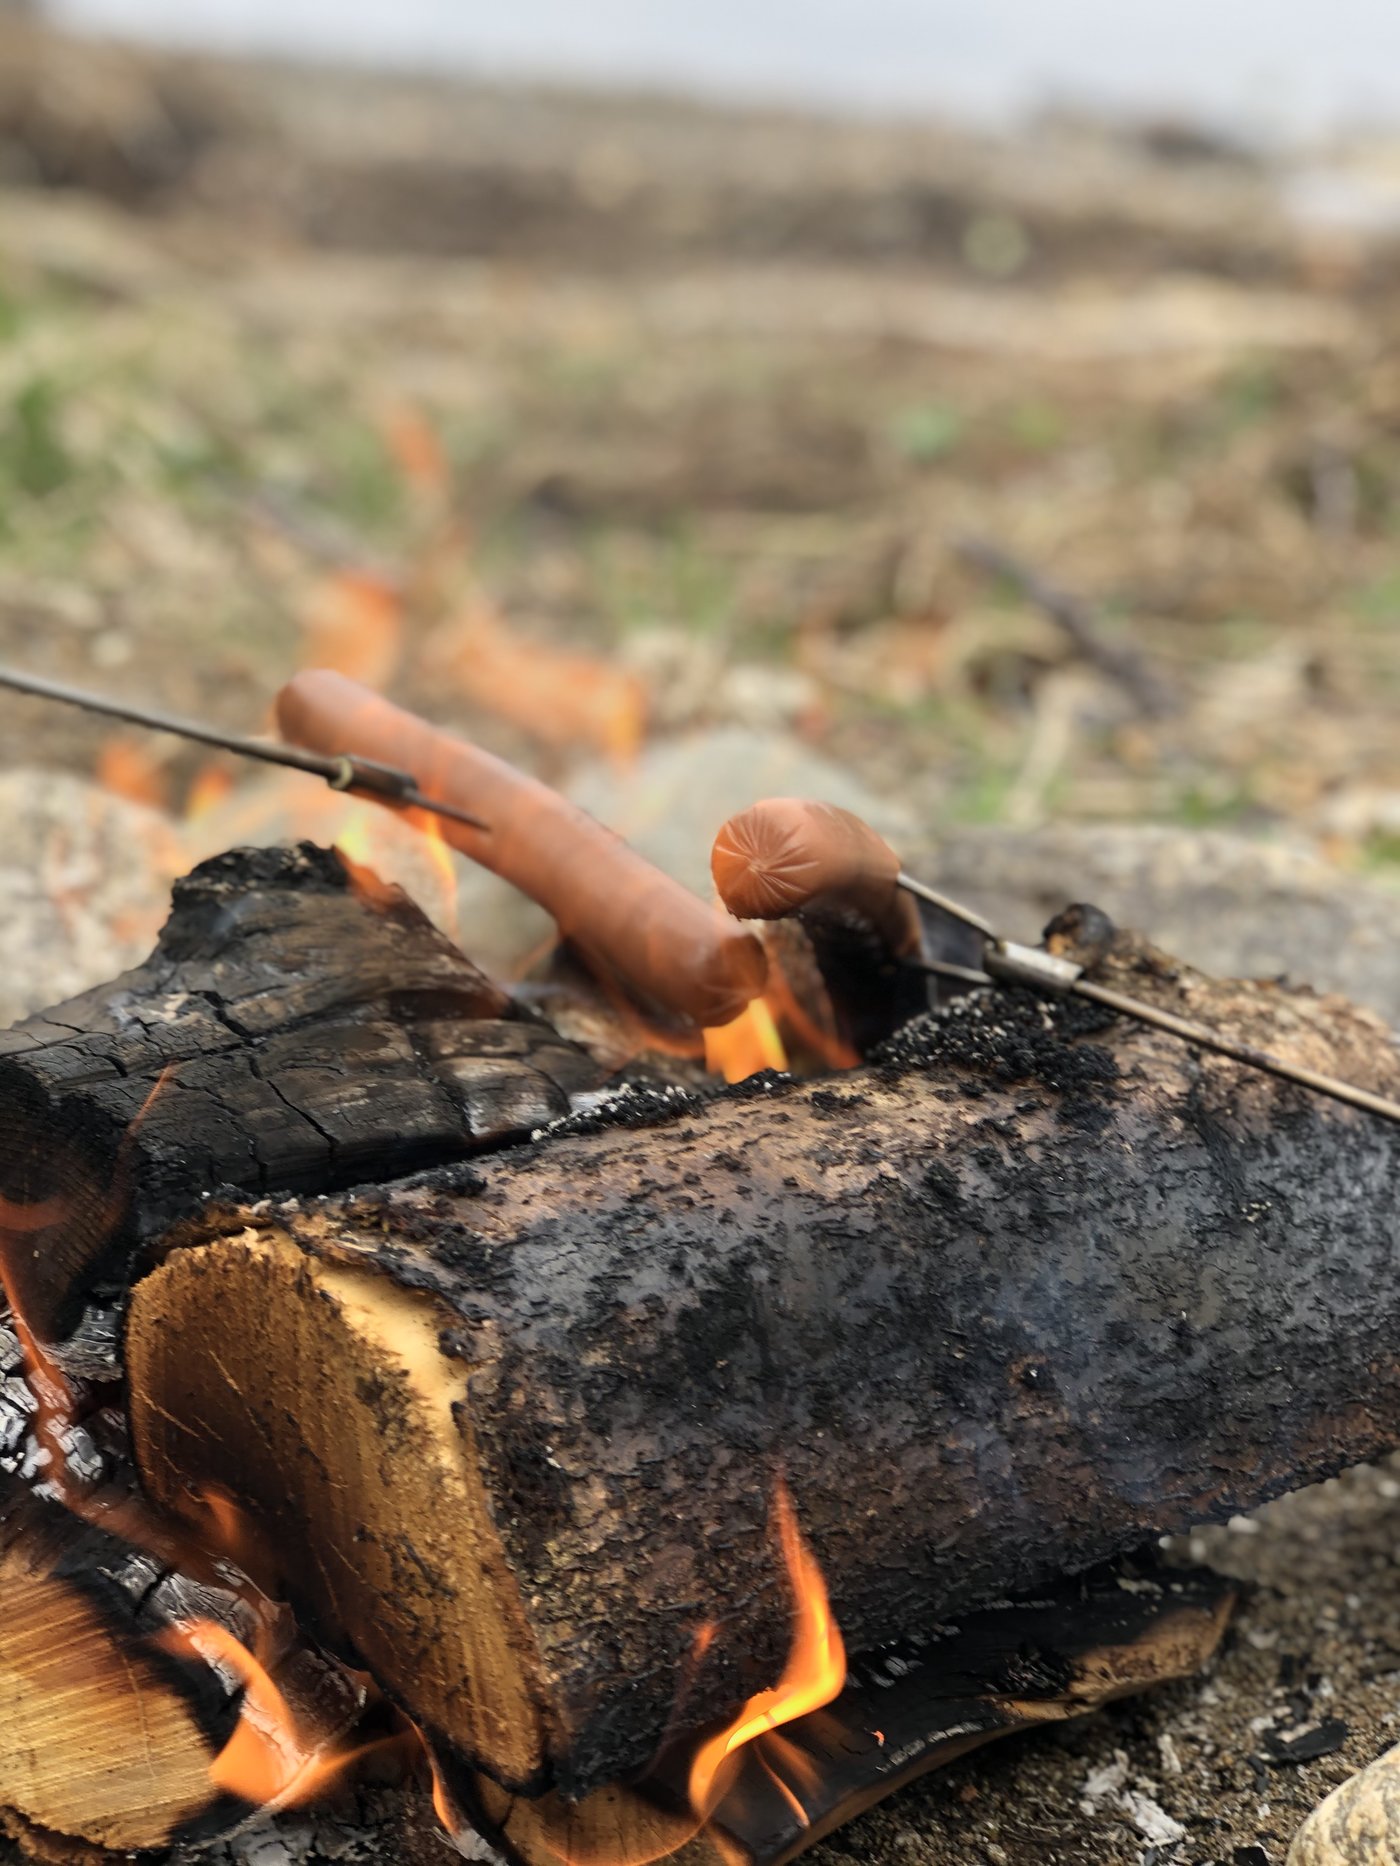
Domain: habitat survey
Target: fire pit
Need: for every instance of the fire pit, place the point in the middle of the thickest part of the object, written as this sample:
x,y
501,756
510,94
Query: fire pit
x,y
672,1469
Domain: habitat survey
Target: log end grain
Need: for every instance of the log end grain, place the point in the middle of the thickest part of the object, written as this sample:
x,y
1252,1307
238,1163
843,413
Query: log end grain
x,y
103,1740
317,1397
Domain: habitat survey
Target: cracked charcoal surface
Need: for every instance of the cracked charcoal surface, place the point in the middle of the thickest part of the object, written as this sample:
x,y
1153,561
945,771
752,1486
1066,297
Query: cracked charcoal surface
x,y
295,1028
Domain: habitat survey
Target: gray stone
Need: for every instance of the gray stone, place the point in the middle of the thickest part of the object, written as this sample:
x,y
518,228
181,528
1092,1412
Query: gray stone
x,y
1253,909
85,879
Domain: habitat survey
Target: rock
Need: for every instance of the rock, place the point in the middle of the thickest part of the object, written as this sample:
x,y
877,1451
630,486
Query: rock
x,y
669,804
1358,1824
1223,903
85,877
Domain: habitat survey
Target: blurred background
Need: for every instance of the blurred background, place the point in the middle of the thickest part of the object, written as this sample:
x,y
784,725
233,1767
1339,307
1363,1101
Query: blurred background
x,y
985,416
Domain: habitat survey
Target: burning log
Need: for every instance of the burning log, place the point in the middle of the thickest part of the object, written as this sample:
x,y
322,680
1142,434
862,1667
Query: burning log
x,y
118,1703
909,1707
299,1027
101,1738
1035,1287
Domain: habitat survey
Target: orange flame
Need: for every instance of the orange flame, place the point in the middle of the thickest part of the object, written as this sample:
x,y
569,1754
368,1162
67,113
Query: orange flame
x,y
749,1043
127,768
355,624
802,1028
417,450
212,783
557,695
267,1761
264,1758
443,864
812,1677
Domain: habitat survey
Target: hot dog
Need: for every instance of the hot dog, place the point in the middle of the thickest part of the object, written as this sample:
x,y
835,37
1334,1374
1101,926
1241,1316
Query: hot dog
x,y
625,917
832,874
786,856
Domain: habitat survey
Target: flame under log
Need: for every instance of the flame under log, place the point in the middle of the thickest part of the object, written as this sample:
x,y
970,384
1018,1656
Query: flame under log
x,y
1036,1286
915,1705
299,1027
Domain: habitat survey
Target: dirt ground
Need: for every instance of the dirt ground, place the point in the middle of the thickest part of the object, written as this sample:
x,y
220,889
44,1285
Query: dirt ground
x,y
583,421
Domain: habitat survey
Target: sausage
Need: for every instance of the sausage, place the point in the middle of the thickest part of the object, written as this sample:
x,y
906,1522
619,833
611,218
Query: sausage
x,y
627,918
786,856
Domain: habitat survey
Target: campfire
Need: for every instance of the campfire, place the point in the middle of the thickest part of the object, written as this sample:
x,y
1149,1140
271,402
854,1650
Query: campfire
x,y
463,1388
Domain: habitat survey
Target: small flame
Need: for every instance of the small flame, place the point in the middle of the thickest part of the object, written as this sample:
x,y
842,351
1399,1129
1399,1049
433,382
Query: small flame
x,y
448,1818
803,1029
212,783
751,1042
556,695
814,1674
263,1758
355,836
223,1527
267,1761
129,769
443,864
417,451
355,624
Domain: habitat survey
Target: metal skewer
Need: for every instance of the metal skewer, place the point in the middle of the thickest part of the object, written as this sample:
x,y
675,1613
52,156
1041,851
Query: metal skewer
x,y
345,772
1005,962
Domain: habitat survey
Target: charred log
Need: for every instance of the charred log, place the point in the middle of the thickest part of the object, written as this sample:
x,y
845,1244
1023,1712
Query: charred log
x,y
299,1027
1033,1288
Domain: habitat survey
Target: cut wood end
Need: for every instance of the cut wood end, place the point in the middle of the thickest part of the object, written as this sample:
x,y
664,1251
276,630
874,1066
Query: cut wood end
x,y
97,1741
318,1398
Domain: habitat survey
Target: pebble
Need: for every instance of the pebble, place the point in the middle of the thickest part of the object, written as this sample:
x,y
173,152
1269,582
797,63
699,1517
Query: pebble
x,y
1358,1824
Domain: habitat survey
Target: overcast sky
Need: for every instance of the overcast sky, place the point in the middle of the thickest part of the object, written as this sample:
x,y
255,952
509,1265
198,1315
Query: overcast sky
x,y
1284,62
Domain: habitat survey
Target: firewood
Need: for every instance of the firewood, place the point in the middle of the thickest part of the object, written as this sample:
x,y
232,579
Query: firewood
x,y
111,1720
906,1709
299,1027
1033,1288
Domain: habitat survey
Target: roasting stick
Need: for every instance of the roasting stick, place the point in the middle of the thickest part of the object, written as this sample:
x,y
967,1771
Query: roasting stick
x,y
630,920
781,856
345,771
1005,962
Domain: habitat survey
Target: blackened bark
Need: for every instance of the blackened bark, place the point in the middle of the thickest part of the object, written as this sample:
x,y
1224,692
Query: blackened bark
x,y
299,1027
1034,1288
909,1707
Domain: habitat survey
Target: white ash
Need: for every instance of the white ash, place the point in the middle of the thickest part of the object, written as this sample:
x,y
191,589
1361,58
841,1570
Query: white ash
x,y
1109,1787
